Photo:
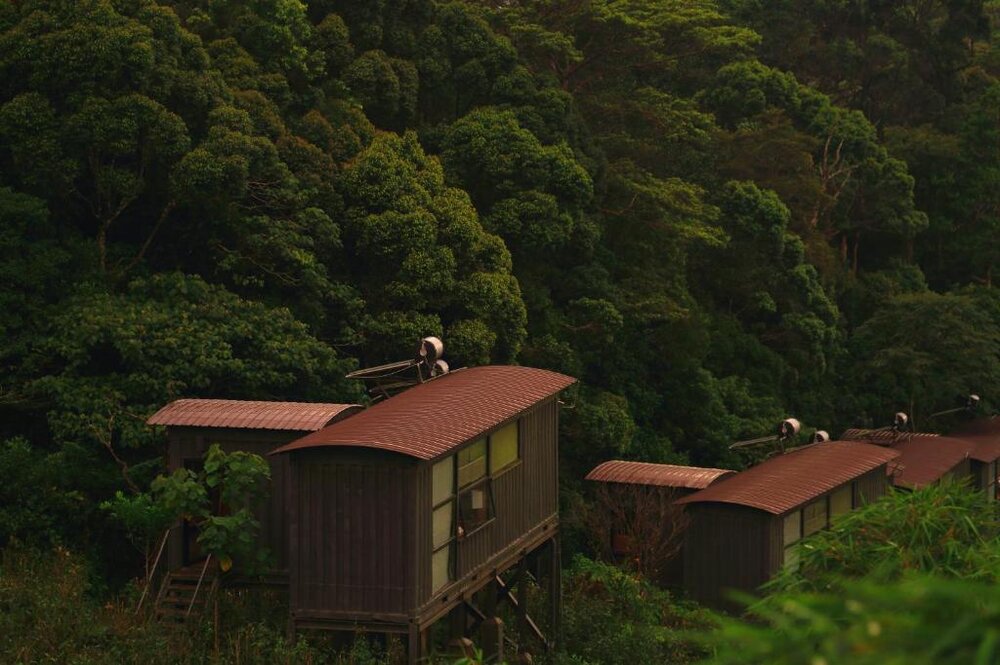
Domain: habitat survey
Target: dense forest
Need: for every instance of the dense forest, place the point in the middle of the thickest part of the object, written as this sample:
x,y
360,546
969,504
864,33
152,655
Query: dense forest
x,y
714,213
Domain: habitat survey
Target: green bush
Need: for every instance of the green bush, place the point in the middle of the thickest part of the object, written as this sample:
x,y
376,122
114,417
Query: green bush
x,y
944,529
921,620
611,617
47,614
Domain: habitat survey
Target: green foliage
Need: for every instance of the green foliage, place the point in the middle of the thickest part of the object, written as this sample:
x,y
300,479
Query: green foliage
x,y
218,500
48,614
921,620
925,349
611,617
943,529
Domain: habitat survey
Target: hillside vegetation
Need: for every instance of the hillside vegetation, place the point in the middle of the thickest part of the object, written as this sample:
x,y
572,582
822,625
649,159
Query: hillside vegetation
x,y
715,213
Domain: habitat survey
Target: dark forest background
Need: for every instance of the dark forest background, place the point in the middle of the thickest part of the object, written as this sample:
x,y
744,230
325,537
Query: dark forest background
x,y
715,214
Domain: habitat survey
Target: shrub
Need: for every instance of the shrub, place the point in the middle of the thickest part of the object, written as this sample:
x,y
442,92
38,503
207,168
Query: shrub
x,y
944,529
611,616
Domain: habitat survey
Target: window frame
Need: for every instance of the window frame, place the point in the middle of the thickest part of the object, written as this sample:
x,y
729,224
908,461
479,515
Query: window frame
x,y
451,541
484,482
494,473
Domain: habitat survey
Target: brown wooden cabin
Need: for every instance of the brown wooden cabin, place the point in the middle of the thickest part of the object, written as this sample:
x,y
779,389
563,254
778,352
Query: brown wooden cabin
x,y
399,514
669,482
924,458
236,425
984,434
742,529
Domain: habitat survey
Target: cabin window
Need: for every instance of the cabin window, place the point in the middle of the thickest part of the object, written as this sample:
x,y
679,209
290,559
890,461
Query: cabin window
x,y
504,447
443,522
475,507
793,534
472,463
814,517
842,501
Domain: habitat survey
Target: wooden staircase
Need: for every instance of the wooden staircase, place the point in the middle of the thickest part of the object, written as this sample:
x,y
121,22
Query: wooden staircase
x,y
186,592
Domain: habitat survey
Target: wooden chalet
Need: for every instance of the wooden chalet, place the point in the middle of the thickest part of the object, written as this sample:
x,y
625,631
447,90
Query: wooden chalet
x,y
924,458
627,488
236,425
742,529
984,435
428,504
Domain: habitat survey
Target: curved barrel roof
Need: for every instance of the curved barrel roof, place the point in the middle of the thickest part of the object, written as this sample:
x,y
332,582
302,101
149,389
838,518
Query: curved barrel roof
x,y
247,414
432,418
924,456
925,459
985,434
660,475
787,481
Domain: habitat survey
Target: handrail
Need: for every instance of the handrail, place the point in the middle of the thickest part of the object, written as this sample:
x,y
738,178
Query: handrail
x,y
201,577
152,571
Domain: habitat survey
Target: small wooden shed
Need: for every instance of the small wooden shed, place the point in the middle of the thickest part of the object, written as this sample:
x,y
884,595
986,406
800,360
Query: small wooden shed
x,y
984,434
924,458
238,425
742,529
633,494
399,514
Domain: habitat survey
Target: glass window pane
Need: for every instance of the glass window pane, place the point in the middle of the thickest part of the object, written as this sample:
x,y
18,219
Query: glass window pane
x,y
840,501
503,447
472,463
443,480
792,557
442,524
814,517
474,507
440,568
793,527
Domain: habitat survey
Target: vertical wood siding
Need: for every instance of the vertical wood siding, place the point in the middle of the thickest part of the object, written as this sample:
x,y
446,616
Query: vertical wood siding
x,y
524,496
728,547
354,534
870,487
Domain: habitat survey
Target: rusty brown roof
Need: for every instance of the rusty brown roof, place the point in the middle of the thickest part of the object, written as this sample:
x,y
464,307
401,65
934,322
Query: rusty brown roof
x,y
660,475
246,414
882,436
432,418
788,481
925,459
985,434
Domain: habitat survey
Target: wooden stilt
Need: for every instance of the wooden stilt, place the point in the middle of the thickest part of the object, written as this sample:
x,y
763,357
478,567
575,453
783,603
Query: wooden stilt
x,y
555,594
415,645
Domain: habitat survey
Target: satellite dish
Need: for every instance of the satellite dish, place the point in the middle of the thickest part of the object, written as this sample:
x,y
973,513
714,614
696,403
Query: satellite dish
x,y
900,421
384,381
821,436
973,402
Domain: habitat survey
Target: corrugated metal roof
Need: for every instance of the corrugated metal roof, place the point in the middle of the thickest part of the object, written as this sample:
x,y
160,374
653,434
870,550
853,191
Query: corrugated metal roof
x,y
925,459
985,434
432,418
924,456
787,481
881,436
660,475
247,414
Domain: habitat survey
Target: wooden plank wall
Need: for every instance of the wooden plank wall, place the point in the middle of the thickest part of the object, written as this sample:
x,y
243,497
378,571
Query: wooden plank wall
x,y
525,495
870,487
353,531
728,547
